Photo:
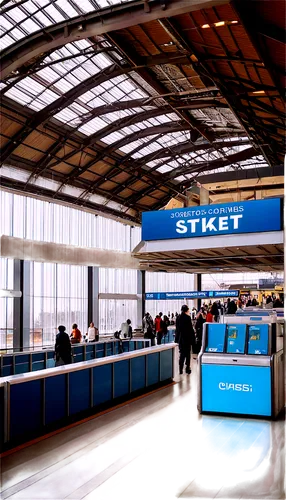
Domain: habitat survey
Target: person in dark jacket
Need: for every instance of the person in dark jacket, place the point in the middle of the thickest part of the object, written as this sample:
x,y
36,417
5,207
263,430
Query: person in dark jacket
x,y
185,337
63,347
232,307
215,311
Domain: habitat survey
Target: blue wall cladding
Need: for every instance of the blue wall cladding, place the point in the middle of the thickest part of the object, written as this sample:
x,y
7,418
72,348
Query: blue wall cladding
x,y
25,408
55,398
153,368
138,373
166,364
79,391
121,378
102,384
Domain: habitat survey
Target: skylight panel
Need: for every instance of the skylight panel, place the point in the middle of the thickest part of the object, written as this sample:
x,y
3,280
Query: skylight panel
x,y
5,25
86,5
48,74
153,163
101,60
81,74
67,7
31,7
18,95
30,26
6,41
47,97
66,115
82,44
43,19
164,169
54,13
112,138
92,126
63,85
17,15
181,178
117,93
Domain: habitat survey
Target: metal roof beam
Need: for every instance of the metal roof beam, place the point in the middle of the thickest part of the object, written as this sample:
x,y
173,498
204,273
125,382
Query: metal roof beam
x,y
252,173
212,165
33,189
95,23
61,103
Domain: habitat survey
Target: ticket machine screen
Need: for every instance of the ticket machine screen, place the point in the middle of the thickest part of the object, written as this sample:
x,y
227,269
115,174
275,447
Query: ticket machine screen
x,y
236,335
258,339
215,337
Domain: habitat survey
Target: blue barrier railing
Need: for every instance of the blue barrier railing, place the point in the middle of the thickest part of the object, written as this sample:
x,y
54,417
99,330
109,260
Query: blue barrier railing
x,y
14,364
36,403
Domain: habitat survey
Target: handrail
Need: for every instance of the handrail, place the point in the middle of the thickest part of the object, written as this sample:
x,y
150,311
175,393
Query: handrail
x,y
51,372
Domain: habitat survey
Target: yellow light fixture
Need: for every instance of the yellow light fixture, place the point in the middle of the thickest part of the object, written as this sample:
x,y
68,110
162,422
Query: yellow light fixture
x,y
220,23
259,92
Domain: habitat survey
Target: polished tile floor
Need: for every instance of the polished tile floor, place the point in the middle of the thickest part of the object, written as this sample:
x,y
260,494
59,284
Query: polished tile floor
x,y
156,448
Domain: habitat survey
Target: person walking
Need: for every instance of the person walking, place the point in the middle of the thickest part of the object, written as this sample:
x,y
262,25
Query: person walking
x,y
185,337
63,354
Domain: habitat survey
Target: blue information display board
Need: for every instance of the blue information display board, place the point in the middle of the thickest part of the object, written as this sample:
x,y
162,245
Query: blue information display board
x,y
213,294
236,336
236,389
258,339
213,220
215,337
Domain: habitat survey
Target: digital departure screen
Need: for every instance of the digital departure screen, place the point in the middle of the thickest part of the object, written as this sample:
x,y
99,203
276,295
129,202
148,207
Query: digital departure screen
x,y
258,339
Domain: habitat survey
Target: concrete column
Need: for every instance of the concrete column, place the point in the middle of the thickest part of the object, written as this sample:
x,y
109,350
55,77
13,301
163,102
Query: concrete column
x,y
21,314
141,280
93,295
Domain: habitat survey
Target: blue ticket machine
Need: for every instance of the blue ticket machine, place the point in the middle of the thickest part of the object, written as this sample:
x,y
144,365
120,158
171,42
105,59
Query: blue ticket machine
x,y
240,372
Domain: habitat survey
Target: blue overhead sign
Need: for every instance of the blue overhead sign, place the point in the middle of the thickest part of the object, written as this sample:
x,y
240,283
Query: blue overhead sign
x,y
210,220
214,294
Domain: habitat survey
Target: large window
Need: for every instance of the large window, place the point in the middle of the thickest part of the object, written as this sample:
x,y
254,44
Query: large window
x,y
112,313
52,222
118,281
58,296
6,304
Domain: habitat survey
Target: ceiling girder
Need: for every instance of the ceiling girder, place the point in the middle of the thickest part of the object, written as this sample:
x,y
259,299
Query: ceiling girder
x,y
159,129
212,165
95,23
61,103
33,189
188,147
233,100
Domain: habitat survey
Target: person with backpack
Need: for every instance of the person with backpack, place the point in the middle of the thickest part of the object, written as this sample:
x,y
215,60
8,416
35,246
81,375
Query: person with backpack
x,y
185,337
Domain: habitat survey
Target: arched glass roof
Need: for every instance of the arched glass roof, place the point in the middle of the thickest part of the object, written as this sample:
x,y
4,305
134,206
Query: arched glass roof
x,y
132,115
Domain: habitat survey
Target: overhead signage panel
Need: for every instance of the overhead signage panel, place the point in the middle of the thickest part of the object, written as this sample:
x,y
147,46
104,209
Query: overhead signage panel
x,y
214,294
213,220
